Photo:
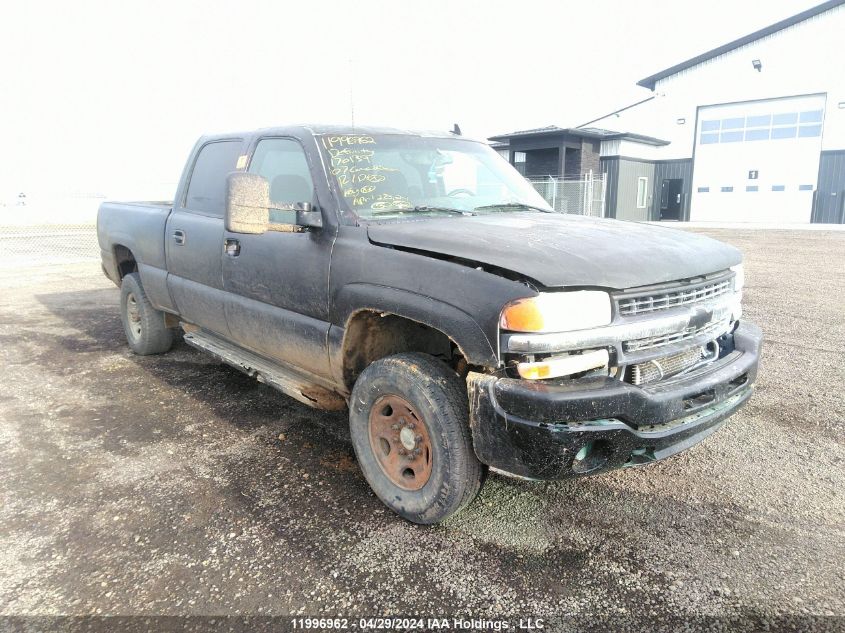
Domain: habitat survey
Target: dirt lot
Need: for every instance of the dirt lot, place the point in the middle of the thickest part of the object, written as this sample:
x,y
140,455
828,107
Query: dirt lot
x,y
175,485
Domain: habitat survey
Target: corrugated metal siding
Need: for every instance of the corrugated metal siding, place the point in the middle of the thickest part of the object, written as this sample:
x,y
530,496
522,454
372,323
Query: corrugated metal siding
x,y
671,169
630,171
829,204
610,166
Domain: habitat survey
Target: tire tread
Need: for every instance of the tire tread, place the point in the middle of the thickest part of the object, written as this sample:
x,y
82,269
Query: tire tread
x,y
156,337
447,394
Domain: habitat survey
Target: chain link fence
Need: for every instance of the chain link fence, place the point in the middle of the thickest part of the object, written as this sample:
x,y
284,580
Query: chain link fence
x,y
581,196
49,229
48,243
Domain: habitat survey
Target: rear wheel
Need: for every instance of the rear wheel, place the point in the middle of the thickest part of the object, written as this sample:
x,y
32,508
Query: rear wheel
x,y
145,329
408,419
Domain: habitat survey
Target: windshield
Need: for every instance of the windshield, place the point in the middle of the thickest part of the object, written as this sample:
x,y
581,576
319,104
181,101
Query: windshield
x,y
396,175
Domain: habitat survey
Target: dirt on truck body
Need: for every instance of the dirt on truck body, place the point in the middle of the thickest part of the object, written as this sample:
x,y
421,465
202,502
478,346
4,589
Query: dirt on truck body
x,y
419,281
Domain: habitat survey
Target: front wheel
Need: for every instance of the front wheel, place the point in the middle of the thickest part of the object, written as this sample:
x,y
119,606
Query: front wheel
x,y
408,418
145,329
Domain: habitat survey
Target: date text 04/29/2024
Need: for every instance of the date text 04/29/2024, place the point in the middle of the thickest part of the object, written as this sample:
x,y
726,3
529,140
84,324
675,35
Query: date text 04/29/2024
x,y
422,624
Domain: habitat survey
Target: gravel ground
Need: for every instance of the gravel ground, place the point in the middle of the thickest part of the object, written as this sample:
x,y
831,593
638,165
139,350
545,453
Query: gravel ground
x,y
175,485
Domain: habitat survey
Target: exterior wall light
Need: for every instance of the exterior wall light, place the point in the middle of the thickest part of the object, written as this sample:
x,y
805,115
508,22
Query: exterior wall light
x,y
681,121
758,65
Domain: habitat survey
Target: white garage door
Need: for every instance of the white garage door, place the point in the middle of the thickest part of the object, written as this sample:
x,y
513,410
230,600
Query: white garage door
x,y
757,161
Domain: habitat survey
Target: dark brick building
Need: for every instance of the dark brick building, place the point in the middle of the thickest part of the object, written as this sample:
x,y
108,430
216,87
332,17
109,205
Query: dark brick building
x,y
555,151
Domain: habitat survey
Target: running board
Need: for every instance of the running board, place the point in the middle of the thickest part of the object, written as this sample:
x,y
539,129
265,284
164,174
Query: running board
x,y
288,381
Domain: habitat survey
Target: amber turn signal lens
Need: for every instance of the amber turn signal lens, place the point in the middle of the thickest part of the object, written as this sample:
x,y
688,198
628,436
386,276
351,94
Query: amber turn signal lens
x,y
564,365
523,315
557,312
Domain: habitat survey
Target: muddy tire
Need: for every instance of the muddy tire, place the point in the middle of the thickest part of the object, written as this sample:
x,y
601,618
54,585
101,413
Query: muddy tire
x,y
143,324
408,417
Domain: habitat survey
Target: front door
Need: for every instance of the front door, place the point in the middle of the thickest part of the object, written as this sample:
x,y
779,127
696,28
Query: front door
x,y
277,283
671,198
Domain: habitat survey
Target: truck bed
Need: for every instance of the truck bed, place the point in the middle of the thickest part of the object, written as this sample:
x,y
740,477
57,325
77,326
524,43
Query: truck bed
x,y
137,226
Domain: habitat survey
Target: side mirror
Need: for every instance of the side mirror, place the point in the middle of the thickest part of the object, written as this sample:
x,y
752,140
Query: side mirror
x,y
247,203
306,215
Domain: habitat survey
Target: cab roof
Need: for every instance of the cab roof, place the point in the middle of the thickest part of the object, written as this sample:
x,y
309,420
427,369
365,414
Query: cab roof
x,y
319,129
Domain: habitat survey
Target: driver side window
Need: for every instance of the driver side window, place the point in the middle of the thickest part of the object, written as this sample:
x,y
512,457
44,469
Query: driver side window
x,y
282,162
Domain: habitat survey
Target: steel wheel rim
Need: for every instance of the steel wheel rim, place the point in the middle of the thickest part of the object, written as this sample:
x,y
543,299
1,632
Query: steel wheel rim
x,y
133,316
400,442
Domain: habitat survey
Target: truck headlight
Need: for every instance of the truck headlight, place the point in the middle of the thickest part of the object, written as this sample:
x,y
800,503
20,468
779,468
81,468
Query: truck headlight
x,y
739,279
557,312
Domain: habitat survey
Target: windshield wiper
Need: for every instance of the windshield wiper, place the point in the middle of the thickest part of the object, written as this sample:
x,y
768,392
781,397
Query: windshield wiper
x,y
512,205
422,209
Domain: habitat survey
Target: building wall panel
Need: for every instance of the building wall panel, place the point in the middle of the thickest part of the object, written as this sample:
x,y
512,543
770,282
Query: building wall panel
x,y
672,169
829,204
627,184
610,169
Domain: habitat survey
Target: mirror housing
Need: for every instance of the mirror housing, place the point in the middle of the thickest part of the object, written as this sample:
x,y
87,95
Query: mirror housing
x,y
247,203
307,216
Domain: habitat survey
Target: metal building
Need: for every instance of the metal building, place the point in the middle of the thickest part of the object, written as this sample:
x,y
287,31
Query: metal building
x,y
751,131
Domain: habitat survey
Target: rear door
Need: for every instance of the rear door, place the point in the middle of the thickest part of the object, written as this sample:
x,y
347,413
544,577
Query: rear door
x,y
277,282
194,236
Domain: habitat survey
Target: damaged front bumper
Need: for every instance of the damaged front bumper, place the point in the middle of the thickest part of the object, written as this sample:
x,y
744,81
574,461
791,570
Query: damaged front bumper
x,y
553,430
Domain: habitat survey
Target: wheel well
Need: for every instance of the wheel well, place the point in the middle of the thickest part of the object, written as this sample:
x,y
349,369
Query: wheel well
x,y
124,260
373,335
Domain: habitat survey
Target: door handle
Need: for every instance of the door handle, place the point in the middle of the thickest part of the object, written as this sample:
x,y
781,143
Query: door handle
x,y
179,236
232,247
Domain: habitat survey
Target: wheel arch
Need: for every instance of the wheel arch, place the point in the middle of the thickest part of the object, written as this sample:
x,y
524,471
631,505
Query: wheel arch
x,y
124,260
381,321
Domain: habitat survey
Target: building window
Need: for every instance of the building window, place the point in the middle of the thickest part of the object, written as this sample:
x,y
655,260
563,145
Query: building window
x,y
810,130
703,189
778,188
764,120
642,192
727,189
762,127
783,132
789,118
757,135
519,161
805,187
752,188
814,116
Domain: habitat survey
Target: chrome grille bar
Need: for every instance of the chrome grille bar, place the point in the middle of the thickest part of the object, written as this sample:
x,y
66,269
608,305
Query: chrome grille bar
x,y
643,304
717,328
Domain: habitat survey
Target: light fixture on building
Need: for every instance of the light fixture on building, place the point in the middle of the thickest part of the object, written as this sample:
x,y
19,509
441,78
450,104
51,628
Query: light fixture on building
x,y
758,65
841,105
681,121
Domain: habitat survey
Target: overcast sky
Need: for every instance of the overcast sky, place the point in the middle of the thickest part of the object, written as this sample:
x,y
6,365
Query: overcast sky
x,y
110,96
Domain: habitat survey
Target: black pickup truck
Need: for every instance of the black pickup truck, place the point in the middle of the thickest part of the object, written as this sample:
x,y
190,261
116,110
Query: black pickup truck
x,y
419,281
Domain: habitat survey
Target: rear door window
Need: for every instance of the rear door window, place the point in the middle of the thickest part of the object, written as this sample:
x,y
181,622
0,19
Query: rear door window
x,y
207,188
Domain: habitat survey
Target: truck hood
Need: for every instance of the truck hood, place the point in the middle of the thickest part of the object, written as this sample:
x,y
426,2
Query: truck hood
x,y
560,250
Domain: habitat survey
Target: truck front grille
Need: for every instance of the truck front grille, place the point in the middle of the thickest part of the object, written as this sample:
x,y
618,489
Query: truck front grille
x,y
713,329
652,301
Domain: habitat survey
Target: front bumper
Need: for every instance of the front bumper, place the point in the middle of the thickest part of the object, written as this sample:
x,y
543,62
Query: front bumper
x,y
543,430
